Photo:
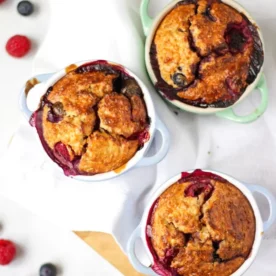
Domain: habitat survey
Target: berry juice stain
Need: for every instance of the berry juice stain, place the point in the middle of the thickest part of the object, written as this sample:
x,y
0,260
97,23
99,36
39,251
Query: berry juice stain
x,y
70,68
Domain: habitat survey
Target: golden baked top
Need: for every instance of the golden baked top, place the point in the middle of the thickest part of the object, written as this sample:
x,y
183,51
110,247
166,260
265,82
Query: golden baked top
x,y
93,119
205,53
201,225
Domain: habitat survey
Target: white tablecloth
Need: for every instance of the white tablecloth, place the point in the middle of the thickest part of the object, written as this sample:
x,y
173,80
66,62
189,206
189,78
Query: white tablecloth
x,y
111,29
28,232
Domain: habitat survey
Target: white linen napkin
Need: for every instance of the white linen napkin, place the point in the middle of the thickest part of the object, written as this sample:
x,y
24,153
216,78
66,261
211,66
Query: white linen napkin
x,y
111,29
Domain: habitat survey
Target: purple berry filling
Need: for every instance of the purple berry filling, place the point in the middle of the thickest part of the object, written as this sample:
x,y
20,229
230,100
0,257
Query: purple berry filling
x,y
204,186
58,155
53,118
238,36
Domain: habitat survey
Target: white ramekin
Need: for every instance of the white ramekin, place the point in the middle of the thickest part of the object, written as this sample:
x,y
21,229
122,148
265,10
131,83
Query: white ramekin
x,y
247,190
28,104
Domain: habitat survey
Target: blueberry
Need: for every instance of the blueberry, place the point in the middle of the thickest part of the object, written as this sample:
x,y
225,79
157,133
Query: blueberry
x,y
56,113
48,270
130,87
179,79
58,109
25,8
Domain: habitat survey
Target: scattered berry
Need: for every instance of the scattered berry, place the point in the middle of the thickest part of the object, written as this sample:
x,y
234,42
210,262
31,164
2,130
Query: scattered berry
x,y
25,8
48,270
1,1
18,46
7,252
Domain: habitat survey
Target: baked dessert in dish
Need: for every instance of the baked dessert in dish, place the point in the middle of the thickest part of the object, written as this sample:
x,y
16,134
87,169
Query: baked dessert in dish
x,y
205,53
93,120
201,225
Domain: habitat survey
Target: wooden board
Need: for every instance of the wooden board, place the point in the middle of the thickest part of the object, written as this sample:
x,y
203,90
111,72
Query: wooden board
x,y
106,246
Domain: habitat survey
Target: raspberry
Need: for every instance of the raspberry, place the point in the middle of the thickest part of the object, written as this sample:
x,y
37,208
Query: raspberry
x,y
1,1
18,46
200,187
62,151
7,252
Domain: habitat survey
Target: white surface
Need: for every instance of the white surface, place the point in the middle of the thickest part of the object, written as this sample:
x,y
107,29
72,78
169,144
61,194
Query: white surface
x,y
246,152
38,241
15,72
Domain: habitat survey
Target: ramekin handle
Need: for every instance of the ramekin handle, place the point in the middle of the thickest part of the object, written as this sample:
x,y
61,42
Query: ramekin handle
x,y
162,152
146,19
230,114
132,256
272,203
27,113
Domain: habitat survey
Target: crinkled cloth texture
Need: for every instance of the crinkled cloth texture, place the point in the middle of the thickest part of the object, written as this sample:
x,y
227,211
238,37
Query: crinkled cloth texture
x,y
111,29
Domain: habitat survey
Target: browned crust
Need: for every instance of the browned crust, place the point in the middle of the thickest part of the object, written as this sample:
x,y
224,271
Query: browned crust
x,y
191,33
94,121
115,113
172,44
216,73
208,35
71,131
212,237
106,153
